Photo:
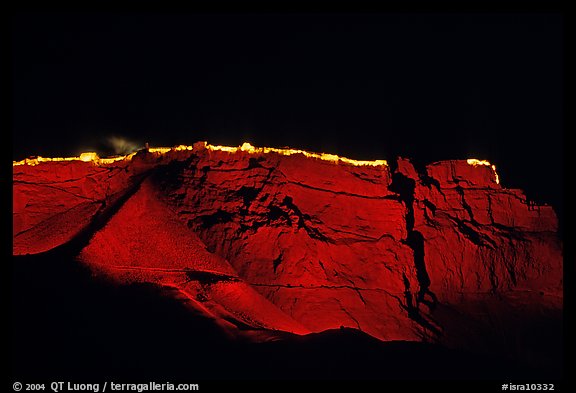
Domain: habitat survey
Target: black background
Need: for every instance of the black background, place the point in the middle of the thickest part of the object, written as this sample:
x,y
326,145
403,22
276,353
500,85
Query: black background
x,y
429,86
426,85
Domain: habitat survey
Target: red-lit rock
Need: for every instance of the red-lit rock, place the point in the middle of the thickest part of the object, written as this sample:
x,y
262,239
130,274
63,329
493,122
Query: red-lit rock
x,y
295,243
54,201
146,242
479,237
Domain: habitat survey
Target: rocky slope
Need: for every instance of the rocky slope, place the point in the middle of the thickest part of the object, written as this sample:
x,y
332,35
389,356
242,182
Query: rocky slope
x,y
264,240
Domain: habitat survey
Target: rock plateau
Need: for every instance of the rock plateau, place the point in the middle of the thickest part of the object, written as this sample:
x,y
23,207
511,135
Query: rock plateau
x,y
268,240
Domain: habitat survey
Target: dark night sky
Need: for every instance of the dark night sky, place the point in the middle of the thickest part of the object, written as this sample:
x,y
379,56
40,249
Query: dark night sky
x,y
426,86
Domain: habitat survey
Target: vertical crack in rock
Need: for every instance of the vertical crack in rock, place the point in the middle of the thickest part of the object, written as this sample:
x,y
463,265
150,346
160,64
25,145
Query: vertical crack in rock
x,y
465,204
349,314
278,261
405,188
414,312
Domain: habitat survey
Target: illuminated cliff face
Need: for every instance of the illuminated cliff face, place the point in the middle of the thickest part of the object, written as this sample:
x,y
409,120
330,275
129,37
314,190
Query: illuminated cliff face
x,y
288,240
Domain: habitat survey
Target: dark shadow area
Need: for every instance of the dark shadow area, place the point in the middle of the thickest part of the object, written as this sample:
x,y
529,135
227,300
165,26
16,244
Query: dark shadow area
x,y
67,323
521,327
404,187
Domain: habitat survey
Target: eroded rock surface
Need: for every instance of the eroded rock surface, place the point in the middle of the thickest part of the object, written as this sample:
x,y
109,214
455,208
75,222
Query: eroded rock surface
x,y
265,241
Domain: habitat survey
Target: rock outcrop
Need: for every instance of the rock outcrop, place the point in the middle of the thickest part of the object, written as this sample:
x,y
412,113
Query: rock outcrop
x,y
282,240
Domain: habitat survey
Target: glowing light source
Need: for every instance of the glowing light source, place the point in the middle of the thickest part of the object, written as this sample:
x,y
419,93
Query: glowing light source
x,y
245,147
160,150
88,156
84,157
248,148
475,162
